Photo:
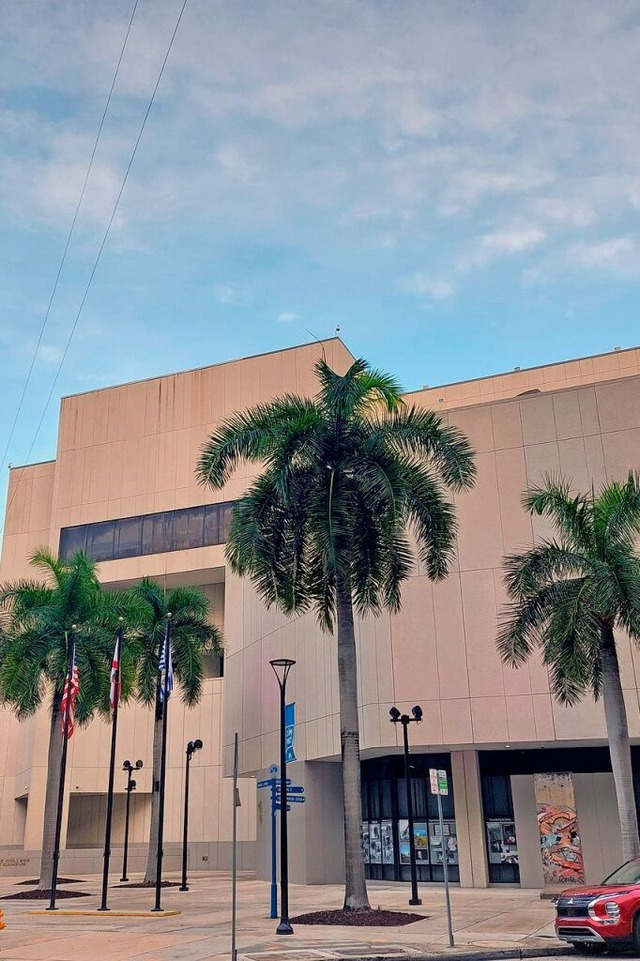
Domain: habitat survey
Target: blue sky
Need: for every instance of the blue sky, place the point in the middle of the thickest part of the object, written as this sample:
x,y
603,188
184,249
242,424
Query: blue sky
x,y
455,184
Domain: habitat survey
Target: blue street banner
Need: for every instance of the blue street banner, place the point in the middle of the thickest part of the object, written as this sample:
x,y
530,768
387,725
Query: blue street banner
x,y
290,731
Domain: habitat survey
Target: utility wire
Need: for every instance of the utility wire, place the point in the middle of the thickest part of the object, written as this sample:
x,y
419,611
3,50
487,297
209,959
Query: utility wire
x,y
69,236
104,238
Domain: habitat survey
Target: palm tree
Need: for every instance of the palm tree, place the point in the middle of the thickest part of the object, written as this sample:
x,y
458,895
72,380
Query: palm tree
x,y
192,636
326,524
39,616
569,596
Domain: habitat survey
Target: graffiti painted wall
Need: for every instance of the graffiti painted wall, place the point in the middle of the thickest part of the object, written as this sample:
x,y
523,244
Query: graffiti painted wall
x,y
560,844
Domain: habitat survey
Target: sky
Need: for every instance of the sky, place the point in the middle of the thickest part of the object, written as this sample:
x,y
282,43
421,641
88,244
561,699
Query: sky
x,y
455,185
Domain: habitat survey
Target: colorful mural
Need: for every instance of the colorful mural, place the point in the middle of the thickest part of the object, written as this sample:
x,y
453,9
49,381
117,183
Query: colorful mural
x,y
560,844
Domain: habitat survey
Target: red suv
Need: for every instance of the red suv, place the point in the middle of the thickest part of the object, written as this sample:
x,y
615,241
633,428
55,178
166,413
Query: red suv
x,y
593,918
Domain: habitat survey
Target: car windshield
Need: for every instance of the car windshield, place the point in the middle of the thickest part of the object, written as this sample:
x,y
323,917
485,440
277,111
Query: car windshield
x,y
629,873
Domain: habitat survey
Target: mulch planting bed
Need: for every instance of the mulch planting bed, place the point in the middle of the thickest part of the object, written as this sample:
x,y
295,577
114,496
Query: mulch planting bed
x,y
377,918
43,895
148,884
60,881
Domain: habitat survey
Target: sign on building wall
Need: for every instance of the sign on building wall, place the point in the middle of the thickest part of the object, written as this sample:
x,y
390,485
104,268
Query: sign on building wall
x,y
560,843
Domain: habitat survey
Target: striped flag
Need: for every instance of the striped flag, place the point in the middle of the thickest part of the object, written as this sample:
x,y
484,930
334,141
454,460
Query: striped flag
x,y
115,676
161,667
68,703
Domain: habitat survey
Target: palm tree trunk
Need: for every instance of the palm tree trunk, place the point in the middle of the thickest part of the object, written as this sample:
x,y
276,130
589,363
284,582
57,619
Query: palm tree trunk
x,y
54,760
355,895
619,746
150,873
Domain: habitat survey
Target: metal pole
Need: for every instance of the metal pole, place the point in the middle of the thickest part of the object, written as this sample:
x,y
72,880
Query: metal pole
x,y
71,644
412,841
446,872
234,857
112,766
285,925
274,868
185,833
126,828
163,767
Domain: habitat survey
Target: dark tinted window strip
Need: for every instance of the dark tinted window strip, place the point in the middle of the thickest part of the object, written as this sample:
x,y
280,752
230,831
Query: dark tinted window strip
x,y
159,533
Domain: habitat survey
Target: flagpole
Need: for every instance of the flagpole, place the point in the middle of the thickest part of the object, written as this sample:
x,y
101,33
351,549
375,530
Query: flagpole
x,y
163,762
112,762
71,647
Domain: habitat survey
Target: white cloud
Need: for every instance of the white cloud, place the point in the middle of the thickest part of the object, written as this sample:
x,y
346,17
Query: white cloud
x,y
288,318
425,286
617,253
233,296
504,242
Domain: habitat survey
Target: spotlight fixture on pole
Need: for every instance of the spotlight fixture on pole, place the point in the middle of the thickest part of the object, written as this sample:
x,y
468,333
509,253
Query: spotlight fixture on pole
x,y
281,667
131,786
398,718
192,747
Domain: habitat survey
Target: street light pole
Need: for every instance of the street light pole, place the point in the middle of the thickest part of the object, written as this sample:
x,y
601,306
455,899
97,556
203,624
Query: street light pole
x,y
281,667
405,720
192,747
131,786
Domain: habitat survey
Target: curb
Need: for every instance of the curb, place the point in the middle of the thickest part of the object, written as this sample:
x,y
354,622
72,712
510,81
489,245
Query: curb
x,y
488,955
69,913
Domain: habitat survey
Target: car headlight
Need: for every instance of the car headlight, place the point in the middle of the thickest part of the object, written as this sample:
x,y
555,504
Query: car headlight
x,y
613,910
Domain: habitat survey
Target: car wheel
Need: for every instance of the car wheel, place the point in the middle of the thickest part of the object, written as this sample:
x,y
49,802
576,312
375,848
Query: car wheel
x,y
591,947
636,932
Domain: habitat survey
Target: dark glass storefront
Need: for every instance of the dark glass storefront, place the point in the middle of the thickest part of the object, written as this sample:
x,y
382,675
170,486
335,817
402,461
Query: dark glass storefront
x,y
385,825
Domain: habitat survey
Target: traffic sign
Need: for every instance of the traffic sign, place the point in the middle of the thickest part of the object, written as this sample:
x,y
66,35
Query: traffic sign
x,y
433,780
273,769
443,783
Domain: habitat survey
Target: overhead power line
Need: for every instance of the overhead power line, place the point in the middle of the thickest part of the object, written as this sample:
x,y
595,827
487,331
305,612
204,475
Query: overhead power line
x,y
104,238
68,240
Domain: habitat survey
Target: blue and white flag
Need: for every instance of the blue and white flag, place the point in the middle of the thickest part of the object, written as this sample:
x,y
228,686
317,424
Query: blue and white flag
x,y
161,667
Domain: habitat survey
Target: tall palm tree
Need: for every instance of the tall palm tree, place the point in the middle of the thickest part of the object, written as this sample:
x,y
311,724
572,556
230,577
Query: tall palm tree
x,y
192,636
569,596
38,618
325,526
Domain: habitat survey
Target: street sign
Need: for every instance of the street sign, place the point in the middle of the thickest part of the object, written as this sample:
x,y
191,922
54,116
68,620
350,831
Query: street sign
x,y
443,783
433,780
294,789
296,799
273,769
273,780
278,807
438,782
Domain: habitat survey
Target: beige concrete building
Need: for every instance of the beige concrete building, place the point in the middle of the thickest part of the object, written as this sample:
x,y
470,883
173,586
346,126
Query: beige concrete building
x,y
531,794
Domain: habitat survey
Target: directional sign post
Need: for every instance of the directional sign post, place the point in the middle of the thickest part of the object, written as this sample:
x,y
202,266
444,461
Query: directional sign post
x,y
295,795
439,783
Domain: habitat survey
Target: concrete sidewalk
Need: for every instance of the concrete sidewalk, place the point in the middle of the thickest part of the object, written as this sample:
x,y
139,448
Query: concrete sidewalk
x,y
495,919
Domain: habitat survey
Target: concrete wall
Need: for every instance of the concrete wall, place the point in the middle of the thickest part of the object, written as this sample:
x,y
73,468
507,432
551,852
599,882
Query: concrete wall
x,y
597,820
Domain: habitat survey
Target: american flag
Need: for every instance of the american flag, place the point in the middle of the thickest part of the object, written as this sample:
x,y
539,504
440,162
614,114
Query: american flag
x,y
115,676
69,696
161,668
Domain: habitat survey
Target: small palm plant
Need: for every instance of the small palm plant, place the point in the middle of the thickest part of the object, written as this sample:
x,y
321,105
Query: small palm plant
x,y
39,617
325,526
192,637
570,596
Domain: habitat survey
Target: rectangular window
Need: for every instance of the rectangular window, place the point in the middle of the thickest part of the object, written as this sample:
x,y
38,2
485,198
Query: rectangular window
x,y
72,539
149,533
129,537
100,540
